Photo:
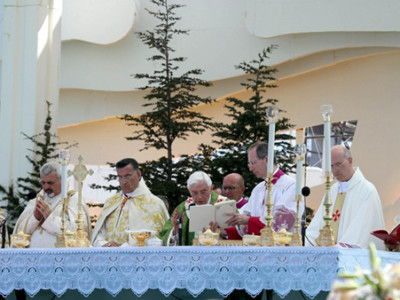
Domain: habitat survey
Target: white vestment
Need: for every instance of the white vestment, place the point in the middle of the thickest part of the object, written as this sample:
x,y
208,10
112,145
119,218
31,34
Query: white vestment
x,y
143,210
361,214
283,194
44,235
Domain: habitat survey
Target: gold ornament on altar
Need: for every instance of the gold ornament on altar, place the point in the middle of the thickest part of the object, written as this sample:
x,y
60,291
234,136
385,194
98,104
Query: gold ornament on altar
x,y
64,156
283,237
80,173
300,151
251,240
267,233
20,240
208,237
325,237
140,236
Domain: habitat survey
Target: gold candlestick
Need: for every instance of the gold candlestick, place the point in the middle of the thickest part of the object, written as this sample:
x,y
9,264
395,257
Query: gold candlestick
x,y
325,238
300,151
267,233
80,172
64,156
296,237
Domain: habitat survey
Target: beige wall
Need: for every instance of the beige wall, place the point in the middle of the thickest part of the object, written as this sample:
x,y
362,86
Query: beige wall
x,y
364,89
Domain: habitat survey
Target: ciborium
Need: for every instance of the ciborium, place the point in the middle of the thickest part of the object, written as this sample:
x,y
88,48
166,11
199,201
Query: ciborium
x,y
283,237
251,240
208,238
20,240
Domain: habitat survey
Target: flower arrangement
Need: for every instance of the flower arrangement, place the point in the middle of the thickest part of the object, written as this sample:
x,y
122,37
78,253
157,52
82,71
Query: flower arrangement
x,y
377,284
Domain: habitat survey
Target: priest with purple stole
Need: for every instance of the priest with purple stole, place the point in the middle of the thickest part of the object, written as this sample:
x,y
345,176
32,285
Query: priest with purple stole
x,y
233,188
356,207
252,217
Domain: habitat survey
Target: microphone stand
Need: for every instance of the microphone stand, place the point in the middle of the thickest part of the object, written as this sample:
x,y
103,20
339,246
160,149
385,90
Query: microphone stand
x,y
3,232
305,191
180,230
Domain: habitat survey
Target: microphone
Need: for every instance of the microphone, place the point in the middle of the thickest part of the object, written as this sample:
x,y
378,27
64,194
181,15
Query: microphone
x,y
31,195
305,191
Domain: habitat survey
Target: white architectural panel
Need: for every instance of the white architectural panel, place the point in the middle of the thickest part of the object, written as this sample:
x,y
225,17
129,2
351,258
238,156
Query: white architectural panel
x,y
271,18
98,21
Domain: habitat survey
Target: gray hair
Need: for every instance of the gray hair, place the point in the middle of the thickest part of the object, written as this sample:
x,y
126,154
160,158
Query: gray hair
x,y
50,167
198,177
346,150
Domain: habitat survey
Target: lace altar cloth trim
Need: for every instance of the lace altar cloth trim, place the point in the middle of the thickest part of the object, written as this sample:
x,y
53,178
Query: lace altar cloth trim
x,y
195,269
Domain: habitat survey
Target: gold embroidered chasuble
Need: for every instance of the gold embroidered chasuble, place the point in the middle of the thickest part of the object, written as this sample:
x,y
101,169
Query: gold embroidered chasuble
x,y
142,210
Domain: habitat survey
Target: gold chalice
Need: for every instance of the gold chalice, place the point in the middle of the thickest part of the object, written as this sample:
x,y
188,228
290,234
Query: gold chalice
x,y
283,236
20,240
140,236
208,238
251,239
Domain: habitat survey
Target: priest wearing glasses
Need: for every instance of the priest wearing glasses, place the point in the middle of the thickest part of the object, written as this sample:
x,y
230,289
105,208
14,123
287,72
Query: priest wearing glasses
x,y
356,207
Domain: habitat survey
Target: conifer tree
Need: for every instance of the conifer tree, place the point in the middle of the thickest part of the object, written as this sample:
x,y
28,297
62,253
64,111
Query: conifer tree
x,y
250,124
45,149
171,95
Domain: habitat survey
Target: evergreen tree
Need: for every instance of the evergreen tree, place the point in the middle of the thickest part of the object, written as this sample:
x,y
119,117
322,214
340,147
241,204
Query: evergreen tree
x,y
170,99
171,94
250,123
45,149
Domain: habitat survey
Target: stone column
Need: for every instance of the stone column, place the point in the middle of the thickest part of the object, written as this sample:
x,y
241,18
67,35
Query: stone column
x,y
30,74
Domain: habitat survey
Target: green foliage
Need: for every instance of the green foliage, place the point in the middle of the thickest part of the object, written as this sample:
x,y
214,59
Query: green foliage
x,y
250,124
171,91
45,149
174,189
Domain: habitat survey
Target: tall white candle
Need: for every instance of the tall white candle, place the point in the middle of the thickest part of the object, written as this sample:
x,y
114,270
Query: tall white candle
x,y
64,180
299,176
271,141
327,136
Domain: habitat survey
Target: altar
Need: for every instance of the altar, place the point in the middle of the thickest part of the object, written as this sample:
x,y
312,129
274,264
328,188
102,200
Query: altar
x,y
157,272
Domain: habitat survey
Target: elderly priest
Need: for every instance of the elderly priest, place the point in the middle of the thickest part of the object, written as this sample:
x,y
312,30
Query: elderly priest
x,y
356,208
176,230
42,217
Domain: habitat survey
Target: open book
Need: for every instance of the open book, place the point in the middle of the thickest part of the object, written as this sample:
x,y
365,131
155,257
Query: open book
x,y
202,215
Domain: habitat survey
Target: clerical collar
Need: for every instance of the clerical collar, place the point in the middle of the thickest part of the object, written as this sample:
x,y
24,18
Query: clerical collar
x,y
343,186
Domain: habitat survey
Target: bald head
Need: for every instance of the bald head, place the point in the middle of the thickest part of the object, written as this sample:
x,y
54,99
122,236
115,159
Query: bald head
x,y
341,163
233,186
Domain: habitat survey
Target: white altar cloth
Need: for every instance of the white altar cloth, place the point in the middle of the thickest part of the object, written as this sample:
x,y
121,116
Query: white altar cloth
x,y
283,269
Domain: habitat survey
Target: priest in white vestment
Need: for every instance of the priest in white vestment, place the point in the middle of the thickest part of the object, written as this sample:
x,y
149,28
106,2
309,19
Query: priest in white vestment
x,y
134,208
42,217
356,207
252,217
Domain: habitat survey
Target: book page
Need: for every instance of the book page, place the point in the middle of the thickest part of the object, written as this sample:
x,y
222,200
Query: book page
x,y
221,209
200,217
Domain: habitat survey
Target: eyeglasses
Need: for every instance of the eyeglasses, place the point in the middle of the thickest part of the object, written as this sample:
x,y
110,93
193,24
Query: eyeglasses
x,y
253,163
337,165
229,188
